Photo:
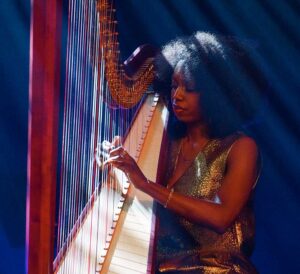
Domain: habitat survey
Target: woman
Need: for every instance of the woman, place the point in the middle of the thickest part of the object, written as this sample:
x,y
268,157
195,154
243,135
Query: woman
x,y
207,223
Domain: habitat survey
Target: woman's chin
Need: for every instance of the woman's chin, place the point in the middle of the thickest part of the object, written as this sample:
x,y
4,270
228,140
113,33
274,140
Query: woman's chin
x,y
188,119
184,119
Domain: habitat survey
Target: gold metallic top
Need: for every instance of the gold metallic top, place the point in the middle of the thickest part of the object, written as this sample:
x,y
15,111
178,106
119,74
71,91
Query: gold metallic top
x,y
193,248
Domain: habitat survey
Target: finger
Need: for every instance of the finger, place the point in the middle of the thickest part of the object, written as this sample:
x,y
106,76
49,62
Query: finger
x,y
112,147
98,162
117,141
115,164
118,151
115,160
106,145
115,152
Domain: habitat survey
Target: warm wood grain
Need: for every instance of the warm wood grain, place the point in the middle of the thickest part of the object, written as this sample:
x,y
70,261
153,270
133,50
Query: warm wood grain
x,y
43,133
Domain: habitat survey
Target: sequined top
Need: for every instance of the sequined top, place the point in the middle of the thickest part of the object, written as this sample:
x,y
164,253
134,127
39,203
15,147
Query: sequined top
x,y
192,248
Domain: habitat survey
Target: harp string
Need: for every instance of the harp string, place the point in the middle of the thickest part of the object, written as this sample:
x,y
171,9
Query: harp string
x,y
83,129
74,142
65,137
90,117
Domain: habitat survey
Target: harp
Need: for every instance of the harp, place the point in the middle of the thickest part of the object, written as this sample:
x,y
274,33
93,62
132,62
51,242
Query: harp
x,y
91,229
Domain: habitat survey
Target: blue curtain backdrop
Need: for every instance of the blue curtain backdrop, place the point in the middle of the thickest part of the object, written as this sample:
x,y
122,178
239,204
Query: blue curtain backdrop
x,y
273,25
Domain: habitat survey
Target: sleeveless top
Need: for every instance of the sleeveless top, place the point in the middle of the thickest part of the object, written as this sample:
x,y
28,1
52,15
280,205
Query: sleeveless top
x,y
185,247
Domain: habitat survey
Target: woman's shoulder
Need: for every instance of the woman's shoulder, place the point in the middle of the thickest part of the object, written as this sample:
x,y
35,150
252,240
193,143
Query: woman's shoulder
x,y
244,154
243,144
235,141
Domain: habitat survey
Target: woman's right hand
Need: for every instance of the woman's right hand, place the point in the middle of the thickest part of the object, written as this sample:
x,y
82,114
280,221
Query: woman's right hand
x,y
103,150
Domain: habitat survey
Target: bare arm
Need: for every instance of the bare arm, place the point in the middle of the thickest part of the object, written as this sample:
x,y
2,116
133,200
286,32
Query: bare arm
x,y
242,170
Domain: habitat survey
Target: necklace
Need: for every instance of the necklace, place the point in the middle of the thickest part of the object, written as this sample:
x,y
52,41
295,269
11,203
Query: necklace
x,y
185,159
195,147
180,152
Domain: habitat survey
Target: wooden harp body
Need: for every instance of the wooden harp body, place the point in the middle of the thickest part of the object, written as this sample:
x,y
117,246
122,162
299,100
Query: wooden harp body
x,y
80,218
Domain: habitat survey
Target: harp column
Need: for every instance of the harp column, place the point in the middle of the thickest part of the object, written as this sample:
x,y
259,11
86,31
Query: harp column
x,y
45,44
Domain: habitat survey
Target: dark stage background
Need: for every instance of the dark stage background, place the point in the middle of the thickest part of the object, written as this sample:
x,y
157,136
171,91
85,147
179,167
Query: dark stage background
x,y
273,25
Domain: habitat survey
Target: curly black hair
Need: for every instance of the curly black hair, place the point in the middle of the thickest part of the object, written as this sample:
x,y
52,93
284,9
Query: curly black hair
x,y
230,82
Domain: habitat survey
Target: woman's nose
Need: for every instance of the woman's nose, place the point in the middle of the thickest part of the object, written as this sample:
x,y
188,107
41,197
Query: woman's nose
x,y
178,93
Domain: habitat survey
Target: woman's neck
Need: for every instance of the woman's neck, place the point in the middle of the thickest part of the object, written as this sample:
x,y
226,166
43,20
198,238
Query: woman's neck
x,y
196,133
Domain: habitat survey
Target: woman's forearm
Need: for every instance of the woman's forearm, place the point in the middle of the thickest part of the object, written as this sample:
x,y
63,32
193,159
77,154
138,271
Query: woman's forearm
x,y
207,213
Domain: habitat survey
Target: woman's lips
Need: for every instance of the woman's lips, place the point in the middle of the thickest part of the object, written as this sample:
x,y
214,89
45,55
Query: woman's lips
x,y
177,108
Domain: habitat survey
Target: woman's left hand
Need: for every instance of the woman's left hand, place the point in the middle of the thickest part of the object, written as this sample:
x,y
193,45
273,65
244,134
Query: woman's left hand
x,y
121,159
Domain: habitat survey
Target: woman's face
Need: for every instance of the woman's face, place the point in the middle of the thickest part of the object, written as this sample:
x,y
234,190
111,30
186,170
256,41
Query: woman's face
x,y
185,99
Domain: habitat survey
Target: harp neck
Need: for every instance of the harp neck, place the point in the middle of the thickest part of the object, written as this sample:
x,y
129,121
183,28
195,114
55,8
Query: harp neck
x,y
127,83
